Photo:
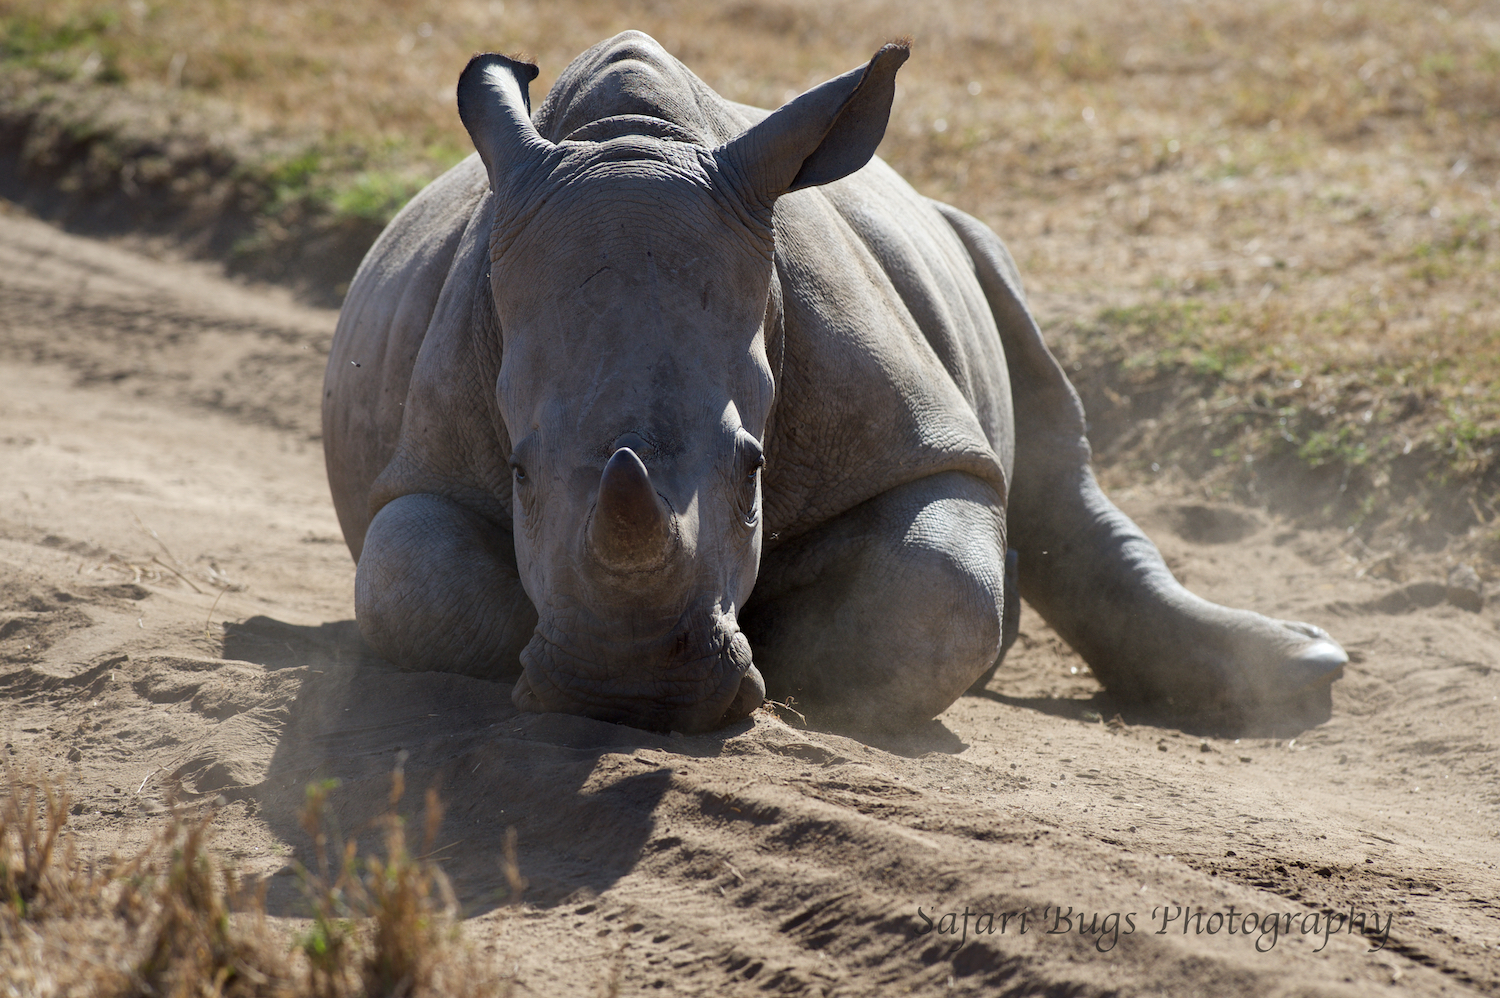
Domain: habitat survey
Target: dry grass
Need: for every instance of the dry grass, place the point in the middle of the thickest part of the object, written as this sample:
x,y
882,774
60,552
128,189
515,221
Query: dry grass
x,y
176,900
35,882
1296,198
176,921
408,940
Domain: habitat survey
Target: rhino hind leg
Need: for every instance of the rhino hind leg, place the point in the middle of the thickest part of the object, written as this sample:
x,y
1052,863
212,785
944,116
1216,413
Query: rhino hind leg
x,y
437,590
1102,584
881,618
1094,576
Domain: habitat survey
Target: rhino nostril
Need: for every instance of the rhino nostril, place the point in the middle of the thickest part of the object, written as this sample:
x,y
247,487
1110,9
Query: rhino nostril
x,y
524,698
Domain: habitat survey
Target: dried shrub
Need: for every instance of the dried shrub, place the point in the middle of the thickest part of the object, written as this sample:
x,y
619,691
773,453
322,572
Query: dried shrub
x,y
176,921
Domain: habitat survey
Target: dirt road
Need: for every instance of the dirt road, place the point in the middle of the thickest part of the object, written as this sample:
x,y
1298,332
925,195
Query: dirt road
x,y
175,611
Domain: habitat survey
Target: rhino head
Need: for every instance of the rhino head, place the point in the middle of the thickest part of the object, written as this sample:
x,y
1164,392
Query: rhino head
x,y
632,281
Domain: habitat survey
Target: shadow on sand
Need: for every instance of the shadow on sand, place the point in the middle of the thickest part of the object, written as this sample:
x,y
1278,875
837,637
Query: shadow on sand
x,y
583,796
1286,720
356,718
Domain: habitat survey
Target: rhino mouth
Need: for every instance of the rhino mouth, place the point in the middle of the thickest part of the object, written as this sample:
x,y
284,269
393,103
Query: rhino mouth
x,y
695,680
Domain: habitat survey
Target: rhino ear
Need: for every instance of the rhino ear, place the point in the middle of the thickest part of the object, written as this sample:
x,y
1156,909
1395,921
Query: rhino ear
x,y
496,109
821,136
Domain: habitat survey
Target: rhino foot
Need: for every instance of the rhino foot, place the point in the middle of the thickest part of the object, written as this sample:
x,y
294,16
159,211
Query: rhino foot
x,y
1316,663
1103,586
1240,663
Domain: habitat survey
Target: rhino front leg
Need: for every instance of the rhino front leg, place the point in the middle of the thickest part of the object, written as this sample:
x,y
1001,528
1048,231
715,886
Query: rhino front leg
x,y
881,618
437,589
1100,582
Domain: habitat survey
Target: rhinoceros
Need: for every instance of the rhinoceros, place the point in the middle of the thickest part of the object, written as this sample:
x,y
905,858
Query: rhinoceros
x,y
660,404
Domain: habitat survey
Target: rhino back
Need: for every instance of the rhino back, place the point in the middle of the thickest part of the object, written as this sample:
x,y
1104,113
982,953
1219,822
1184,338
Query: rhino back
x,y
631,79
386,316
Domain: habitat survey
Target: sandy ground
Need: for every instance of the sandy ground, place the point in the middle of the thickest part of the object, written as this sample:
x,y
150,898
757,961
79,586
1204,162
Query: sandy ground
x,y
175,617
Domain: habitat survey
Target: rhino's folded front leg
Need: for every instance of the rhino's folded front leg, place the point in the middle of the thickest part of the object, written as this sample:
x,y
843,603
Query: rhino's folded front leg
x,y
882,617
437,589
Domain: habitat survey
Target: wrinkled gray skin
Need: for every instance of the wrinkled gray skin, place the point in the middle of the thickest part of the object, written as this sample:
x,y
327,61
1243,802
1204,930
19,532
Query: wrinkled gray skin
x,y
662,382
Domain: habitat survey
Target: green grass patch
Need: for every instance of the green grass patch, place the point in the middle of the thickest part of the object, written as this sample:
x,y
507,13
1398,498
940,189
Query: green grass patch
x,y
29,38
375,195
83,45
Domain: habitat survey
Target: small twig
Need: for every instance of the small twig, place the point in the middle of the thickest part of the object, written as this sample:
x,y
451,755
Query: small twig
x,y
445,848
789,709
143,782
174,571
162,544
207,636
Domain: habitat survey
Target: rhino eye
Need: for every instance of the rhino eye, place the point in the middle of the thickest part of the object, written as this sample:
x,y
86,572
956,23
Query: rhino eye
x,y
518,471
749,501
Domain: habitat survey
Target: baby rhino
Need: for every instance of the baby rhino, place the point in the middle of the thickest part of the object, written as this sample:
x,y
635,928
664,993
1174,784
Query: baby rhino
x,y
662,404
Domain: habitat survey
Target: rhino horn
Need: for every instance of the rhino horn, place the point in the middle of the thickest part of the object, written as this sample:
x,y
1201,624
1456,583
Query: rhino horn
x,y
632,526
495,104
